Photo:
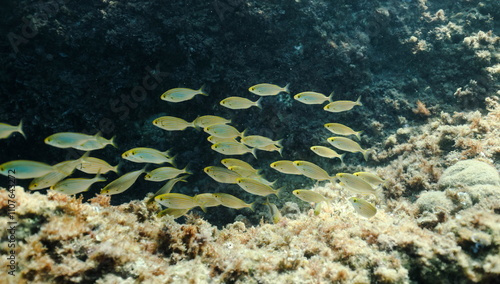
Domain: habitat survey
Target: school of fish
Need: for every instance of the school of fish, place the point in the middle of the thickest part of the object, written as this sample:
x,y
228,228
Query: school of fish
x,y
224,139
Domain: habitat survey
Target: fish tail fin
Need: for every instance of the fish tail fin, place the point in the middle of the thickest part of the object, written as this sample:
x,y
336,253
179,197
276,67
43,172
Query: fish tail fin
x,y
277,192
186,170
358,134
20,129
279,143
365,154
258,103
280,150
172,161
252,206
202,90
254,152
112,142
286,89
242,134
341,157
358,101
330,97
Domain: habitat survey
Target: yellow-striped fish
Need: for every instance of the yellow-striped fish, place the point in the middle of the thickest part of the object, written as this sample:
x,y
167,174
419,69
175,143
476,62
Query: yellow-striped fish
x,y
268,89
214,139
92,165
208,120
254,187
177,201
286,167
327,153
363,207
231,201
239,103
68,139
309,195
223,131
346,144
72,186
6,130
122,183
96,143
233,148
167,187
340,106
312,170
236,162
148,155
341,129
259,141
274,211
207,200
47,180
164,173
355,184
221,175
177,95
370,178
171,123
312,98
24,169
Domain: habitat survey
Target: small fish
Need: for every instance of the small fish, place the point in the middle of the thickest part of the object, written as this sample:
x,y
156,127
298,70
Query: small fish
x,y
209,120
312,170
164,173
92,165
6,130
96,143
72,186
177,95
312,98
268,89
24,169
122,183
167,187
340,106
254,187
271,148
207,200
327,153
239,103
233,148
148,155
317,208
341,129
231,201
363,207
346,144
214,139
222,175
171,123
275,212
244,172
68,139
176,213
177,201
259,141
47,180
236,162
309,195
355,184
223,131
370,178
286,167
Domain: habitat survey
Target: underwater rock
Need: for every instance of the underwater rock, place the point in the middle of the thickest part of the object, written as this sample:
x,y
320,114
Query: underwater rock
x,y
469,173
